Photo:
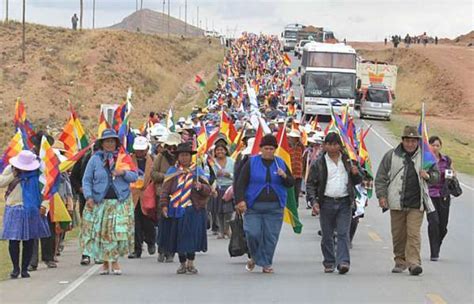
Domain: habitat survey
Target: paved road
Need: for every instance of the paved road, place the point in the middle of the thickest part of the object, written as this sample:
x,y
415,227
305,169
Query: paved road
x,y
298,279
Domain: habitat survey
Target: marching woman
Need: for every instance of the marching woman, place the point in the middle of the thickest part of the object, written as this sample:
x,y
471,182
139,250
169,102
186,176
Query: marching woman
x,y
262,193
24,219
184,196
223,166
108,219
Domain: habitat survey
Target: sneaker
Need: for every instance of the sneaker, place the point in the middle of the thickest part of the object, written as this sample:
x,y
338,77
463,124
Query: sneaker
x,y
343,268
434,259
161,258
32,268
134,256
399,268
151,249
415,270
181,268
169,259
51,264
25,274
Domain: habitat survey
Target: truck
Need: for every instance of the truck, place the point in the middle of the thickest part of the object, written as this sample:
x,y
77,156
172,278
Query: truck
x,y
328,78
375,74
318,34
289,36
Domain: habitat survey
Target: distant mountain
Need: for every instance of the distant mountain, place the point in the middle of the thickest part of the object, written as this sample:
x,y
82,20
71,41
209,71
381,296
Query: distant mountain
x,y
152,22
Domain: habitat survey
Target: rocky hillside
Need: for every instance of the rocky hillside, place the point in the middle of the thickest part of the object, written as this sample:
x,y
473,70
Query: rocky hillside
x,y
94,67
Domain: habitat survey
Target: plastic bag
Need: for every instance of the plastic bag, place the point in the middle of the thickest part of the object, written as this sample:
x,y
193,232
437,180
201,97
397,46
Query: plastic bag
x,y
237,243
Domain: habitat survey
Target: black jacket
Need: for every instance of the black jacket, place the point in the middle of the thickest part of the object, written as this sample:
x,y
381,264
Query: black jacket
x,y
318,176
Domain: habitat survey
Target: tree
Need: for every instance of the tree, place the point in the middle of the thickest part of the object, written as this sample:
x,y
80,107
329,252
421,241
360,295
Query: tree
x,y
80,17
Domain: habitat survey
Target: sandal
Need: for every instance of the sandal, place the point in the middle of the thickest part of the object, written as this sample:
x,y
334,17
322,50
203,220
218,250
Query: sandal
x,y
267,270
250,265
85,260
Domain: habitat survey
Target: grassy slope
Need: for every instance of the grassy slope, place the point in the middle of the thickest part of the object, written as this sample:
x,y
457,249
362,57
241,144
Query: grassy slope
x,y
421,81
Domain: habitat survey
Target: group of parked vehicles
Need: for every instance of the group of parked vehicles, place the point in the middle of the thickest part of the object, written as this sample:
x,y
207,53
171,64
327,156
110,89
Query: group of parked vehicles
x,y
333,75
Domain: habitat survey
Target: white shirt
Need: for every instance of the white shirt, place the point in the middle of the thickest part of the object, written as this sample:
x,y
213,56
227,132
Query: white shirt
x,y
336,185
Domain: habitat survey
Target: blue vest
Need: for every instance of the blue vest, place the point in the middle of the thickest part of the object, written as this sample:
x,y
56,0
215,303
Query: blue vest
x,y
258,180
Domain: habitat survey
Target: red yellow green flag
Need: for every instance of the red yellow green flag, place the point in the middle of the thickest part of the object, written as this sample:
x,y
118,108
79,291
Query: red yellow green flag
x,y
290,215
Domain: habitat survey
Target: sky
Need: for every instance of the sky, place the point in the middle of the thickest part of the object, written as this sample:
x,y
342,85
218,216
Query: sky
x,y
355,20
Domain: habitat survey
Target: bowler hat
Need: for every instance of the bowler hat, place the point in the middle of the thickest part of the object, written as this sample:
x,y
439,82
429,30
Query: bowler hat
x,y
186,147
108,133
410,132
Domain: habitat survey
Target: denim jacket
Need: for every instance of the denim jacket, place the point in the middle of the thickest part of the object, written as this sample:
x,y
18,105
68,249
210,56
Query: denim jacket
x,y
97,180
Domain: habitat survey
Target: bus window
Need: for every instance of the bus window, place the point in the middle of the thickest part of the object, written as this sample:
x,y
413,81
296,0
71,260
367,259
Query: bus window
x,y
343,61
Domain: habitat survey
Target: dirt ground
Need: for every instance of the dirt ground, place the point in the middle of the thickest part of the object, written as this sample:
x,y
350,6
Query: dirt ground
x,y
440,75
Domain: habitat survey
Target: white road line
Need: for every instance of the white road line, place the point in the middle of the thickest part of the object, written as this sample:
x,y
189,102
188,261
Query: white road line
x,y
391,146
60,296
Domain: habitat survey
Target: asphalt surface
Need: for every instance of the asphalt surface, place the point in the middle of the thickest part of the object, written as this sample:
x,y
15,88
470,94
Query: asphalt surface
x,y
298,276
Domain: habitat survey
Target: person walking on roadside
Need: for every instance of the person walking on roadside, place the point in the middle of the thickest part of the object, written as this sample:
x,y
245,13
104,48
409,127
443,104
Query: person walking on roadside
x,y
401,186
162,163
24,218
330,189
183,199
48,244
296,152
262,195
74,21
144,227
223,167
108,218
439,194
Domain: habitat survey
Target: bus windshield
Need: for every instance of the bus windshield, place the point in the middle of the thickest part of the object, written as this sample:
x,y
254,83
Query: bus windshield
x,y
331,60
290,34
329,84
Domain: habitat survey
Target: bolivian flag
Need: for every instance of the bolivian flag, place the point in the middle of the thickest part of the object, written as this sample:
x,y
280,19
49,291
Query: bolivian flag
x,y
290,214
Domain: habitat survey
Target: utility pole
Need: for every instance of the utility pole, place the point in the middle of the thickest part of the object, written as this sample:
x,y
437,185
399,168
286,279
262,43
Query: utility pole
x,y
93,14
185,17
80,13
180,12
163,16
141,4
23,34
6,11
136,5
169,18
197,16
206,23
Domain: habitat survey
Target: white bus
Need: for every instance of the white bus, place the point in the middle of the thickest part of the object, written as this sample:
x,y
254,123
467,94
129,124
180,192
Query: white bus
x,y
289,36
328,77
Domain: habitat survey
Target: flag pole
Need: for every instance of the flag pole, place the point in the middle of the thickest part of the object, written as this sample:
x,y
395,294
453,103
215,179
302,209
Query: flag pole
x,y
422,132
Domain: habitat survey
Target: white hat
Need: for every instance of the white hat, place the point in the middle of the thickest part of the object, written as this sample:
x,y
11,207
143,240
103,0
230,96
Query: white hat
x,y
140,143
181,119
281,120
25,160
61,157
172,139
249,147
158,130
178,129
294,133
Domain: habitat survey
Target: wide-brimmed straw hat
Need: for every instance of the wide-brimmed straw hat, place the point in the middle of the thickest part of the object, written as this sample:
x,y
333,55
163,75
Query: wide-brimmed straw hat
x,y
25,160
172,139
